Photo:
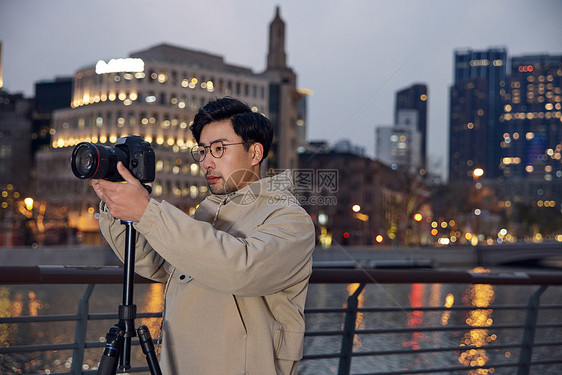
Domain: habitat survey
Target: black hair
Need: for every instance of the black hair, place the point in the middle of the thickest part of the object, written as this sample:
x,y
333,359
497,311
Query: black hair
x,y
250,126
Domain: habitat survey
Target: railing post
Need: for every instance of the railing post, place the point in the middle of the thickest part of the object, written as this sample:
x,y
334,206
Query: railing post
x,y
80,332
529,332
349,332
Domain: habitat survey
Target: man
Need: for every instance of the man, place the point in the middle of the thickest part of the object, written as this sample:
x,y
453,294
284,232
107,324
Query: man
x,y
237,271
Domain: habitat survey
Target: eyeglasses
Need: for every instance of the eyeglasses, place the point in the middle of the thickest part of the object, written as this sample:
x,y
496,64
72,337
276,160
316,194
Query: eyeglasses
x,y
216,149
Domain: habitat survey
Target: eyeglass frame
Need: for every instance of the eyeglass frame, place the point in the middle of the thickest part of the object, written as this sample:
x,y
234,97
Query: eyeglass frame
x,y
210,150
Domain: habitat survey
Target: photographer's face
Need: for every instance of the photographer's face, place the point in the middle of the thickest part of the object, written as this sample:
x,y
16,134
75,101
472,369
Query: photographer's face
x,y
236,168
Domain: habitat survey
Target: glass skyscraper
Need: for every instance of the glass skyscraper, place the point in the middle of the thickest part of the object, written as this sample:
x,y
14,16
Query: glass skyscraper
x,y
475,107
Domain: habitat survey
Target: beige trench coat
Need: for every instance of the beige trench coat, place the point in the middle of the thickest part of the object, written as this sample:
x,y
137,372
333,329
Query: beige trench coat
x,y
238,276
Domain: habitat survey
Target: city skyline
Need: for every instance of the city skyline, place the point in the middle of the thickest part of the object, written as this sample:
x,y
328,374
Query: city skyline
x,y
353,56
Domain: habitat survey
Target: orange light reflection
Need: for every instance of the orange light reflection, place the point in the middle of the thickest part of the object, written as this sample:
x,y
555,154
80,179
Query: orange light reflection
x,y
481,296
359,323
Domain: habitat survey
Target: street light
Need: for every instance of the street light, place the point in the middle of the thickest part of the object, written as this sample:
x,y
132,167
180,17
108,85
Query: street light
x,y
364,218
322,219
28,203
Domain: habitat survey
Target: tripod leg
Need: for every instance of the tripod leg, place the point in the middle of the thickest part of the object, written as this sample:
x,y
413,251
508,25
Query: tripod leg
x,y
148,349
108,362
128,311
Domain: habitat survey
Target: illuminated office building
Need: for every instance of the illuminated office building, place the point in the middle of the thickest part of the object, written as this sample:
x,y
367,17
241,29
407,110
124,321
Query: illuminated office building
x,y
475,107
155,93
415,98
400,145
15,148
531,126
50,95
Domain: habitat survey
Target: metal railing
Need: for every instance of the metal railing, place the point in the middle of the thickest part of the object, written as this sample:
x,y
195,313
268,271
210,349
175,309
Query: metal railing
x,y
350,330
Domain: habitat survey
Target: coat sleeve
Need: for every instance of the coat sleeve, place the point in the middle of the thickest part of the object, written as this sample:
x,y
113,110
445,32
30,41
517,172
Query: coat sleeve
x,y
274,256
148,263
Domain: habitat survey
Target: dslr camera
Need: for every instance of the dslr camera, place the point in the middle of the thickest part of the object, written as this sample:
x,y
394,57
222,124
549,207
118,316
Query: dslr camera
x,y
100,162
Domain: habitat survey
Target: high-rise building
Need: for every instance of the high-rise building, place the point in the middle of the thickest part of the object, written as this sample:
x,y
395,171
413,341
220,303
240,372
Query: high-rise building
x,y
15,169
468,131
531,123
15,145
49,96
475,107
155,93
415,98
399,146
532,129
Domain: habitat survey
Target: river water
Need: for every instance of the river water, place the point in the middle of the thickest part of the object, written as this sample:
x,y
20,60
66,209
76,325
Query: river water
x,y
63,299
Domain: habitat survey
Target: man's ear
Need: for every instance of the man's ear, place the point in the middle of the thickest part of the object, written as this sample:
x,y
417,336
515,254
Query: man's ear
x,y
256,153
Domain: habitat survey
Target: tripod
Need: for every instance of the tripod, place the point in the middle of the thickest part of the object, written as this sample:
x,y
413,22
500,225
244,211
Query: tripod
x,y
118,339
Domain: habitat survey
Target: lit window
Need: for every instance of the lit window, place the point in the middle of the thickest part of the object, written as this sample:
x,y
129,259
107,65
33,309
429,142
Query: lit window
x,y
193,191
194,169
157,189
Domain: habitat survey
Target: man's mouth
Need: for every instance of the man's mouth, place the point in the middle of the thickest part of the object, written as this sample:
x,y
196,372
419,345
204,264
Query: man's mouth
x,y
212,179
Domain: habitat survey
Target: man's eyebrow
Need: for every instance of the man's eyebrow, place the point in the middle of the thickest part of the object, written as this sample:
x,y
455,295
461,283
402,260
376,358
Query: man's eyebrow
x,y
216,140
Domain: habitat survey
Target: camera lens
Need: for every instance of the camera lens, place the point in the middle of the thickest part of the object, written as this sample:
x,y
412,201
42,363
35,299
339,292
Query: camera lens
x,y
85,160
97,161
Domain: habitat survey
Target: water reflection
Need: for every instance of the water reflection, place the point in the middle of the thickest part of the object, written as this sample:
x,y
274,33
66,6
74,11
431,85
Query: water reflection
x,y
449,301
359,323
478,332
481,296
153,301
63,299
5,310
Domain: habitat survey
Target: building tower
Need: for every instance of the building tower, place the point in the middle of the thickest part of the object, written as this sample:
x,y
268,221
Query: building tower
x,y
276,56
283,99
475,107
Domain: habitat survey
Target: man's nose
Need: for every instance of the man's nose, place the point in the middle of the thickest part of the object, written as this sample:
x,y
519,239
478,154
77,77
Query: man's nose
x,y
208,162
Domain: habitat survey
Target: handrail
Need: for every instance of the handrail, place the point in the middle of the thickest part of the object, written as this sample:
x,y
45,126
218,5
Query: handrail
x,y
13,275
18,275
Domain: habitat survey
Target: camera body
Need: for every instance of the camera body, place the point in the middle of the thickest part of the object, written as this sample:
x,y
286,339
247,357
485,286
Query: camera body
x,y
100,162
